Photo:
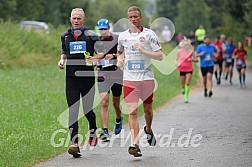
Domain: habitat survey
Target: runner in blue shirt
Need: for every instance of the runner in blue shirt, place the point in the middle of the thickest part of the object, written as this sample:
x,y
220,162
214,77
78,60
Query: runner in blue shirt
x,y
229,60
207,52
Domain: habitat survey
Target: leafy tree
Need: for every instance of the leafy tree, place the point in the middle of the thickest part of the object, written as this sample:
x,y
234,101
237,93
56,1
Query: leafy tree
x,y
25,9
7,9
167,8
191,14
217,10
238,21
247,7
111,10
65,7
217,16
235,8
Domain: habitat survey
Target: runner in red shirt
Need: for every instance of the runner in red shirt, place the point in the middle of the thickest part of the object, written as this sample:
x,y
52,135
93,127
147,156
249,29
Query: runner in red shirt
x,y
184,61
240,55
219,60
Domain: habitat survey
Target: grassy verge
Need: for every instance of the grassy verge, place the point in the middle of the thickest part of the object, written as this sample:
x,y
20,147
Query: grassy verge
x,y
22,48
249,56
31,101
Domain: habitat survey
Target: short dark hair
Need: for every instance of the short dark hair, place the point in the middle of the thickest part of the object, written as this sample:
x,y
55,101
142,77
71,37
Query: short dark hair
x,y
135,8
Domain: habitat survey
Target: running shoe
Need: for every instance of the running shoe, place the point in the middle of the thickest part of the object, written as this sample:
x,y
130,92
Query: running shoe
x,y
231,83
186,100
135,150
210,93
74,150
118,126
150,137
104,136
92,139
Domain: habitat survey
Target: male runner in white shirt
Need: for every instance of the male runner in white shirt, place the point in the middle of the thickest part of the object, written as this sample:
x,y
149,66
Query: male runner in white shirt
x,y
139,45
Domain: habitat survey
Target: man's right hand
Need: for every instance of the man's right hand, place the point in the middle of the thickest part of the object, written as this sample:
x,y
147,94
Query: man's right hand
x,y
108,57
119,64
61,64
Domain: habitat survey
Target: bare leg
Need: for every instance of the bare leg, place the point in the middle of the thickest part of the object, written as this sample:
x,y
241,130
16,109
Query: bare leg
x,y
188,79
216,69
210,81
104,109
148,114
133,122
182,81
187,86
230,73
205,82
240,78
243,76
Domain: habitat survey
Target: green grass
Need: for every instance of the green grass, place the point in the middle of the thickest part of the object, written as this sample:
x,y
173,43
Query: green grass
x,y
32,96
249,56
31,101
23,48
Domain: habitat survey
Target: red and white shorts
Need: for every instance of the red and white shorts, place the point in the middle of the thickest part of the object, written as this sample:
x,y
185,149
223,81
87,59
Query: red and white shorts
x,y
133,90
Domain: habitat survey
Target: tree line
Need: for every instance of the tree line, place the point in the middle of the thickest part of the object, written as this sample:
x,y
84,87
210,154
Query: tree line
x,y
57,12
234,18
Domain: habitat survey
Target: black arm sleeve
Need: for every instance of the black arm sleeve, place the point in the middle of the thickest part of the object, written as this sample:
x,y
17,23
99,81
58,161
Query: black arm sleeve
x,y
63,46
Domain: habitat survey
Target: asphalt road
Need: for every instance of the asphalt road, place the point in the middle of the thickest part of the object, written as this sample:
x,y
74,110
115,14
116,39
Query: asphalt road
x,y
205,132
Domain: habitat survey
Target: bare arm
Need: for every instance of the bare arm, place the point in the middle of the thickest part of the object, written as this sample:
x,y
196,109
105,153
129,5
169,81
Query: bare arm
x,y
200,54
120,59
215,54
97,56
194,57
234,56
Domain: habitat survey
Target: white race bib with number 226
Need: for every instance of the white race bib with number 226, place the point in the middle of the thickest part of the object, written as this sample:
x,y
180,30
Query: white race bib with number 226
x,y
77,47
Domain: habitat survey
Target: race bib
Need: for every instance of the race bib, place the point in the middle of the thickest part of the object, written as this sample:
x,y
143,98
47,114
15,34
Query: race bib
x,y
135,65
77,47
239,61
207,57
229,60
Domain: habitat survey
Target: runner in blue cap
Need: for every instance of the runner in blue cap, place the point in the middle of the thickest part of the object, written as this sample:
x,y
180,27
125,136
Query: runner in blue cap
x,y
109,77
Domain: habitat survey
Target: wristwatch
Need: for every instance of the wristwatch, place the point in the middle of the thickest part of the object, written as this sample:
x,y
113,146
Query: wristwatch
x,y
114,56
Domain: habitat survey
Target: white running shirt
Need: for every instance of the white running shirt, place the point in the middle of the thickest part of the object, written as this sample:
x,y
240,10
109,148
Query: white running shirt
x,y
137,66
